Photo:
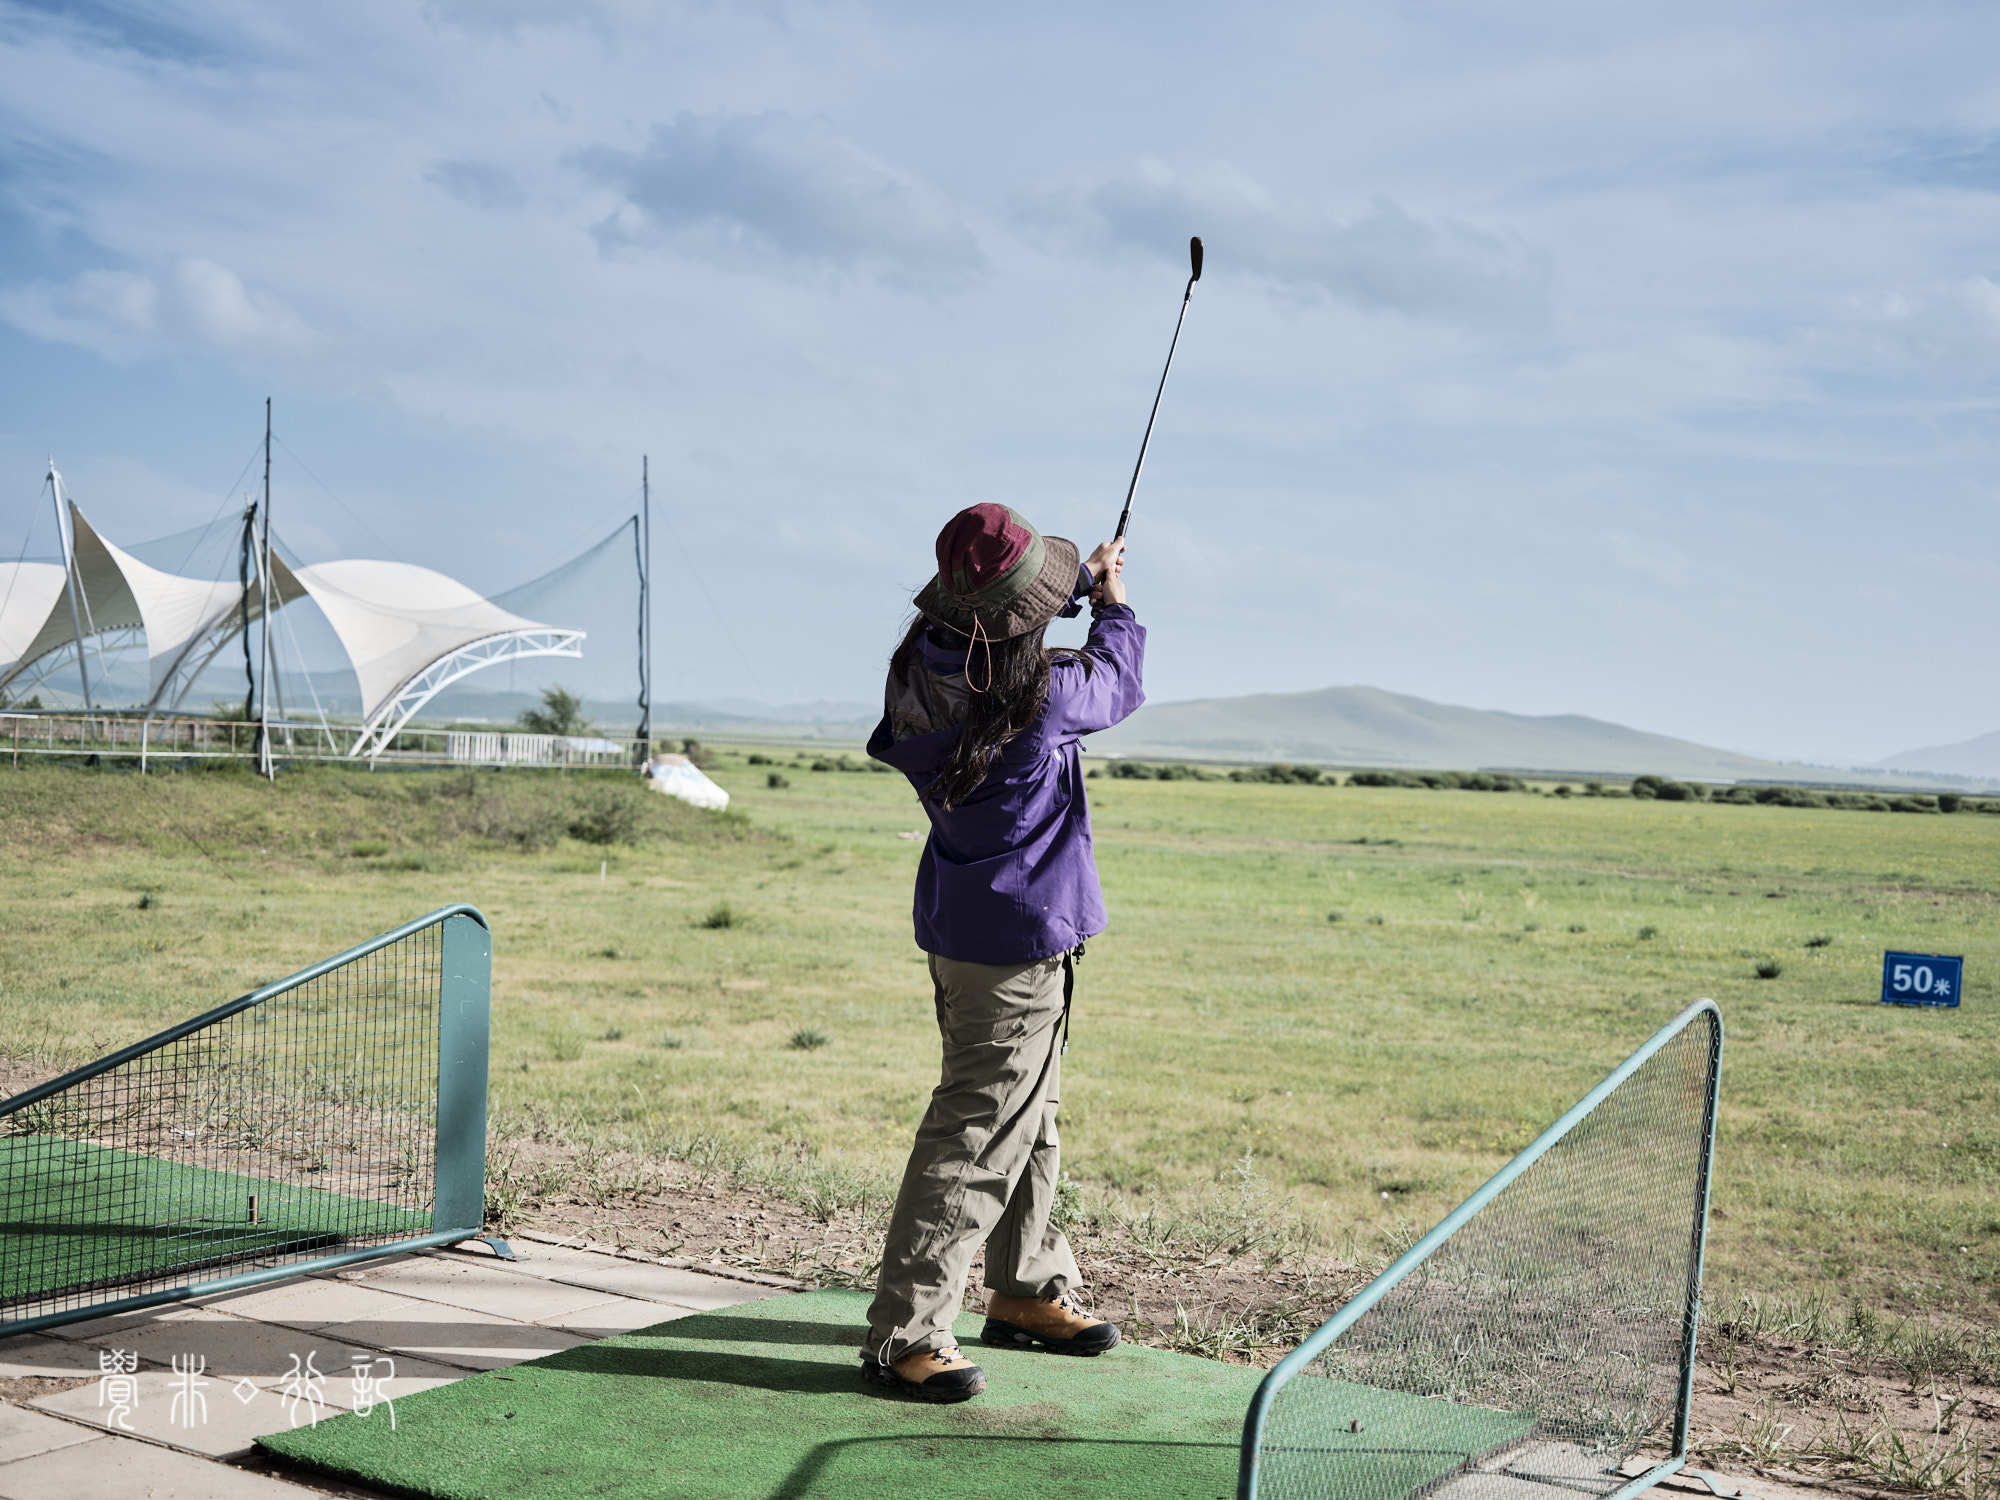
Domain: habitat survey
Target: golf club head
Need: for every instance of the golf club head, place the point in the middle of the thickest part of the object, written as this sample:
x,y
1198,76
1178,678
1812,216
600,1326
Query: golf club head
x,y
1194,257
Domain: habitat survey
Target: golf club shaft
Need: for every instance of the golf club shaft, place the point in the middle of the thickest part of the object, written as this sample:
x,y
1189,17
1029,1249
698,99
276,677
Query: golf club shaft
x,y
1125,515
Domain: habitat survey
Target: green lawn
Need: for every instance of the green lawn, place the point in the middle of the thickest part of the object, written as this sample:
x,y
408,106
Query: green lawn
x,y
1494,954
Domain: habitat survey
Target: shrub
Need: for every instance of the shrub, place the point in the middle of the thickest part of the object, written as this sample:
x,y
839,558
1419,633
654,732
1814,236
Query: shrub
x,y
1336,916
1374,778
777,781
608,815
1648,933
1130,770
670,1041
1562,789
1820,940
1949,802
1769,968
1593,789
697,752
805,1039
1664,790
146,902
759,760
1068,1205
1576,927
561,713
1279,773
720,917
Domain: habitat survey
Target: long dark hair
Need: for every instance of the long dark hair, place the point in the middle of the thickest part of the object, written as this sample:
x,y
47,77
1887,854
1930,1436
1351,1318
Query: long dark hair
x,y
1010,702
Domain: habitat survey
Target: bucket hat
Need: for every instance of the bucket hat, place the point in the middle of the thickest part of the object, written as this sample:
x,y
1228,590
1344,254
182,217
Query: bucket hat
x,y
997,576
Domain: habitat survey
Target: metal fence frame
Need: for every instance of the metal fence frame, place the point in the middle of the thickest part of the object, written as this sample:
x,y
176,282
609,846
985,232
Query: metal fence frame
x,y
1282,1373
458,1204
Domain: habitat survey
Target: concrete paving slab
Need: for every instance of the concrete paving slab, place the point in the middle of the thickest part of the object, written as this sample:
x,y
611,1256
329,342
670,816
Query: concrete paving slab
x,y
480,1288
99,1330
454,1336
315,1303
114,1468
601,1320
214,1419
635,1278
234,1348
34,1355
25,1433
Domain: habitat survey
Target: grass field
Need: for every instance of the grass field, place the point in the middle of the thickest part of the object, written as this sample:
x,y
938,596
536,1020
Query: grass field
x,y
1362,999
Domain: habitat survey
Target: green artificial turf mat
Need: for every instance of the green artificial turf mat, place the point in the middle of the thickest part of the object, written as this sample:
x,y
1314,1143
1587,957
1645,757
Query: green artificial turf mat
x,y
765,1399
76,1216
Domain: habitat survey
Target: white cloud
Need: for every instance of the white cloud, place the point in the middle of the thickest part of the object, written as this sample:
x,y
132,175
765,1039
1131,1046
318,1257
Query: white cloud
x,y
733,187
123,315
1384,258
111,313
1955,323
479,184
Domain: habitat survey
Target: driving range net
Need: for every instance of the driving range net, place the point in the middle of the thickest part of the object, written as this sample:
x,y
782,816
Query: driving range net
x,y
295,1123
1539,1341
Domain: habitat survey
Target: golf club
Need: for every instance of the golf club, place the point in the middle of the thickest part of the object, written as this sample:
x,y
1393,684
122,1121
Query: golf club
x,y
1194,275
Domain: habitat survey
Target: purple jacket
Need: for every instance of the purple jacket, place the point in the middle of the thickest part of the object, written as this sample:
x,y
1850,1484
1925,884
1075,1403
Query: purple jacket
x,y
1007,876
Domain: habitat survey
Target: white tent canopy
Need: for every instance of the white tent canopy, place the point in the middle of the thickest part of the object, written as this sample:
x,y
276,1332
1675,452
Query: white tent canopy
x,y
30,593
407,631
394,619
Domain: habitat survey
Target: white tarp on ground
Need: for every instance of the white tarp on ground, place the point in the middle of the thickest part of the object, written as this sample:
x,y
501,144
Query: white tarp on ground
x,y
678,776
394,619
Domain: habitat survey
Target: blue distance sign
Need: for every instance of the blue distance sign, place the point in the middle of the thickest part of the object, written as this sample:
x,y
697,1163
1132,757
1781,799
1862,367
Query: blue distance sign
x,y
1921,979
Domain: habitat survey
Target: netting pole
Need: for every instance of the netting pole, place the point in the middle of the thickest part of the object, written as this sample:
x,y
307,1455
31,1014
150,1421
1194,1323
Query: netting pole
x,y
1692,1315
464,1018
645,544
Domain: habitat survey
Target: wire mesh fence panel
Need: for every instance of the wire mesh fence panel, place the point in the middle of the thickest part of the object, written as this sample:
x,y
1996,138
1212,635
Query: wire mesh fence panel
x,y
298,1123
1538,1341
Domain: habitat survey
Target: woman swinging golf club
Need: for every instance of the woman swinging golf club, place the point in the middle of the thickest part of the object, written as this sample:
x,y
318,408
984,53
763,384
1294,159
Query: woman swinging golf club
x,y
984,720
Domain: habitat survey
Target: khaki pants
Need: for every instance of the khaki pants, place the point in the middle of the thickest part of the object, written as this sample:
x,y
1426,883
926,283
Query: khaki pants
x,y
984,1165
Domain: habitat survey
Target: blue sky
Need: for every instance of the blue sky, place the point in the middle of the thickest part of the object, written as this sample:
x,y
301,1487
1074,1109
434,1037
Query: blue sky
x,y
1640,361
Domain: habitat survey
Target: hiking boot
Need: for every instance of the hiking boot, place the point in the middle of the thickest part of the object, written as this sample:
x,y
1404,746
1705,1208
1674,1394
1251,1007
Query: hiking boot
x,y
937,1375
1057,1324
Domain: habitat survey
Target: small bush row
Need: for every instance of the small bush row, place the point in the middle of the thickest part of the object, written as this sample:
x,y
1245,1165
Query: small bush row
x,y
1661,789
1442,781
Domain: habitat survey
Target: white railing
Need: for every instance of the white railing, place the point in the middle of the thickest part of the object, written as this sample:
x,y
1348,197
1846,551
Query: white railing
x,y
180,738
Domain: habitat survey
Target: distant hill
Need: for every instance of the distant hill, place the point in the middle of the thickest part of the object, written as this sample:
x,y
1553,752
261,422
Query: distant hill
x,y
1975,757
1367,726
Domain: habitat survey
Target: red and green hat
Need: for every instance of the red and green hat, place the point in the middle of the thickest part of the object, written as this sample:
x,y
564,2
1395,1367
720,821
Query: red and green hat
x,y
997,575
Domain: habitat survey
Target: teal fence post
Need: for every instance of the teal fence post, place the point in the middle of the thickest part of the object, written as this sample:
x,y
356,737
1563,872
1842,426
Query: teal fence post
x,y
464,1019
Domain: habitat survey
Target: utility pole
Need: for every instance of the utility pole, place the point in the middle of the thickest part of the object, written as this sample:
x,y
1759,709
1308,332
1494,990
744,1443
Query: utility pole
x,y
266,766
68,540
645,608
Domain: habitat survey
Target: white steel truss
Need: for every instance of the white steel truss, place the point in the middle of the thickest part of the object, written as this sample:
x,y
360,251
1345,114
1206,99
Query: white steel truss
x,y
26,676
513,645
